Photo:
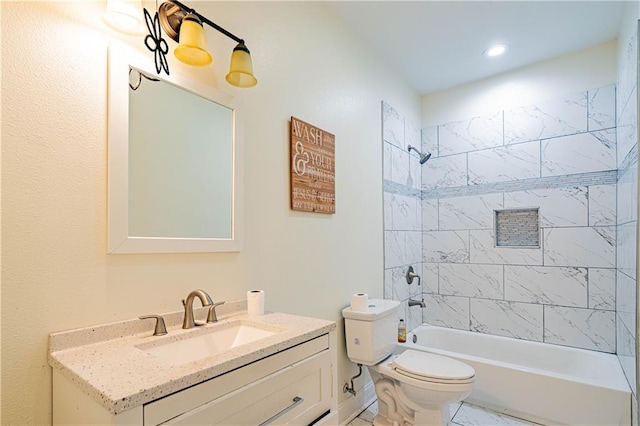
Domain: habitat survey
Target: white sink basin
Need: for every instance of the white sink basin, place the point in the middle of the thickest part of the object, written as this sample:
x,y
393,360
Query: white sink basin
x,y
209,341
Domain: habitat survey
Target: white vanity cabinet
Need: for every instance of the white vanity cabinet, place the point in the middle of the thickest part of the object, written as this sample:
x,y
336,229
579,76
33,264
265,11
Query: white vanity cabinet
x,y
293,386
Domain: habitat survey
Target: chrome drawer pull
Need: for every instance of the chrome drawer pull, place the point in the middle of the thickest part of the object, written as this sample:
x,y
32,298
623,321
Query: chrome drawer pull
x,y
296,401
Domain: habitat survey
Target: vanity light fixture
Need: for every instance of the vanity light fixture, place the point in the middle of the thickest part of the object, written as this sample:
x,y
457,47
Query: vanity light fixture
x,y
185,26
496,50
125,16
192,47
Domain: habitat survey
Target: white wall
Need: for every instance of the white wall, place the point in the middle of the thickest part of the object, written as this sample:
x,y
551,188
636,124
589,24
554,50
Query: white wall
x,y
56,273
575,72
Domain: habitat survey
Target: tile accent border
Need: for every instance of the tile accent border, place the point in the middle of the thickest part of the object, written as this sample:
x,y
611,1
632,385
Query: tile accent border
x,y
609,177
400,189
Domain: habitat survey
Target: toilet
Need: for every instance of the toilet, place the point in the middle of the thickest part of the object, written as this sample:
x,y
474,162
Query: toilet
x,y
413,387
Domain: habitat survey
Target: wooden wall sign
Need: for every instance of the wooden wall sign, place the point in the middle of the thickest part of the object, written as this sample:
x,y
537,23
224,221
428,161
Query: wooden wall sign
x,y
313,186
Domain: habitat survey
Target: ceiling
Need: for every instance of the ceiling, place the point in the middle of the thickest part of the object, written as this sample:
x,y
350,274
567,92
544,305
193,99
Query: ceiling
x,y
436,45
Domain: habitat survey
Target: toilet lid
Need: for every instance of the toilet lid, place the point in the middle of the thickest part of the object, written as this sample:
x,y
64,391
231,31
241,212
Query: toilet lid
x,y
427,366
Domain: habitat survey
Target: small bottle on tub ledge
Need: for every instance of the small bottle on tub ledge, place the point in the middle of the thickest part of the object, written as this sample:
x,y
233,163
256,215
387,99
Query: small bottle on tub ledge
x,y
402,332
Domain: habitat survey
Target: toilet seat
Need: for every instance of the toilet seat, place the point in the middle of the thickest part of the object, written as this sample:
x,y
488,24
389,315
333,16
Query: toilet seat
x,y
428,367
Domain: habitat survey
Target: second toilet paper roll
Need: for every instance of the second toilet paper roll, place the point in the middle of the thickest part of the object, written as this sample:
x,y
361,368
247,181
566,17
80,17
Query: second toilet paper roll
x,y
255,303
359,302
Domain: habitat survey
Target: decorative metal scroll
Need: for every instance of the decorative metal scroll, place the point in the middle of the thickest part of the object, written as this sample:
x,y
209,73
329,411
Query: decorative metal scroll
x,y
155,43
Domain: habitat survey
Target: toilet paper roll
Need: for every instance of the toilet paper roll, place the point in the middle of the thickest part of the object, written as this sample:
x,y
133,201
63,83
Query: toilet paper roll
x,y
255,303
359,302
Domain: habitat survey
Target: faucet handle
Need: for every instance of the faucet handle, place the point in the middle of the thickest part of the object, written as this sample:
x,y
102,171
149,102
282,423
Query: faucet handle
x,y
160,329
211,316
410,275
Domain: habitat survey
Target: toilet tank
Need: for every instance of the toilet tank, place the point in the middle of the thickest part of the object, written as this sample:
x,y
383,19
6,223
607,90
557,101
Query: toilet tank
x,y
371,335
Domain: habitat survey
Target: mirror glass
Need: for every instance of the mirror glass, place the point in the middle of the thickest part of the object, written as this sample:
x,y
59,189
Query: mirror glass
x,y
179,162
173,172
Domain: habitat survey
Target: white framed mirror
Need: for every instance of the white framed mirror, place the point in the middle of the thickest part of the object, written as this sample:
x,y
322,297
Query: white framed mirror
x,y
174,161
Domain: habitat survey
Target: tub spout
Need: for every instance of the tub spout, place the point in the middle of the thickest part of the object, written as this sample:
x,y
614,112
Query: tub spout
x,y
417,303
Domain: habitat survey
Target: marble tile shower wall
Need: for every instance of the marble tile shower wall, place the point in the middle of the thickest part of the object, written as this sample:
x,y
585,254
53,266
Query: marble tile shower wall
x,y
402,211
627,218
558,156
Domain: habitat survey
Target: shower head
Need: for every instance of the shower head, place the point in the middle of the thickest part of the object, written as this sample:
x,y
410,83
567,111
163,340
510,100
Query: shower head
x,y
423,157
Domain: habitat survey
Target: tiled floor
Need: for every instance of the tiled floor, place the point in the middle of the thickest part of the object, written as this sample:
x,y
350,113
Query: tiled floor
x,y
463,414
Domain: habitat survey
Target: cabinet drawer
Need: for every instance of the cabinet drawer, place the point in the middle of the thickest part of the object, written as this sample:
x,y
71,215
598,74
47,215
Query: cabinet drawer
x,y
294,395
196,397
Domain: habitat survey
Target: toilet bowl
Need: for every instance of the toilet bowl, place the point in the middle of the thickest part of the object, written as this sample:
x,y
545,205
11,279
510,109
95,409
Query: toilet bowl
x,y
413,388
416,388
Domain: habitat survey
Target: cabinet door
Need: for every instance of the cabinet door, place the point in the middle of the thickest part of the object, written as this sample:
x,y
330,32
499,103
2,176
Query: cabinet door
x,y
294,395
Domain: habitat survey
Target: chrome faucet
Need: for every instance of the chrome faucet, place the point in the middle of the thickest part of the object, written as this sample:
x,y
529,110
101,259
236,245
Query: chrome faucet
x,y
189,322
417,303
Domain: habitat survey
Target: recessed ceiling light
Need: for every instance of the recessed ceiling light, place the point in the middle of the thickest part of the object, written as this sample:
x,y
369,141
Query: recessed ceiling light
x,y
496,50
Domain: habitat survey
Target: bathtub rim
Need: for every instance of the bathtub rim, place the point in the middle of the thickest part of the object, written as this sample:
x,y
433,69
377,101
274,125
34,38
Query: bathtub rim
x,y
621,384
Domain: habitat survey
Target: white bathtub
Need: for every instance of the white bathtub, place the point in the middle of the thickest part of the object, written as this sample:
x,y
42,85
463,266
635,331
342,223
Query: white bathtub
x,y
544,383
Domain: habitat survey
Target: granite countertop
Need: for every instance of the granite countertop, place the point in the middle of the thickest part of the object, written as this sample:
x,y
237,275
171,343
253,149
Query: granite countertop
x,y
108,363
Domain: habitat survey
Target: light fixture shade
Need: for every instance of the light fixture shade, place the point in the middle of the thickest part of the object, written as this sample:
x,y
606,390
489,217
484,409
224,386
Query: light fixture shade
x,y
192,48
125,16
241,69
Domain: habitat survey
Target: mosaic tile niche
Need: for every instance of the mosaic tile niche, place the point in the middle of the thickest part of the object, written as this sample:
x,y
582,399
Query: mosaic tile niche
x,y
517,228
